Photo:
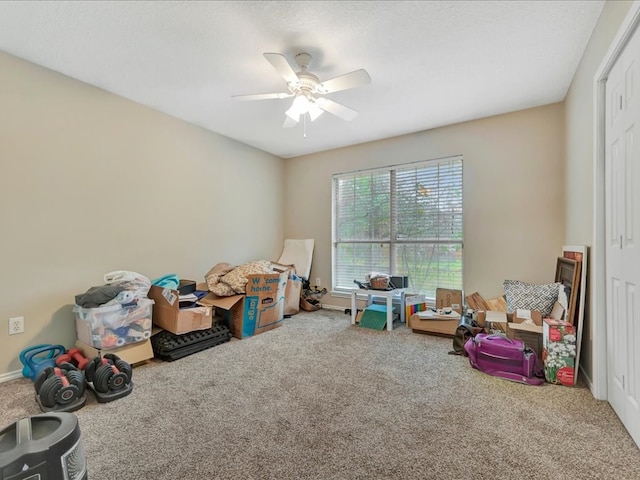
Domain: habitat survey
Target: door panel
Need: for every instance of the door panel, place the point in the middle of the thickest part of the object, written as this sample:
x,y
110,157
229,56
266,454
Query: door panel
x,y
622,207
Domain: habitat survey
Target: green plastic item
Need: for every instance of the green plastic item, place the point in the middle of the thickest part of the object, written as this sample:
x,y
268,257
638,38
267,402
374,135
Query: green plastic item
x,y
374,317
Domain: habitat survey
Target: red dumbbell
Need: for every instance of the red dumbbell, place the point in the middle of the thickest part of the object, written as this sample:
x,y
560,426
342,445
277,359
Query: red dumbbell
x,y
73,356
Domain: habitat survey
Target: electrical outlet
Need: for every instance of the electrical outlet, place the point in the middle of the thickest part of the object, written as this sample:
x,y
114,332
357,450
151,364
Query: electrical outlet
x,y
16,325
318,282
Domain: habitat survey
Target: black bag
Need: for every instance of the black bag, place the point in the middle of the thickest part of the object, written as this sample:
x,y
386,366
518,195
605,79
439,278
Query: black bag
x,y
468,328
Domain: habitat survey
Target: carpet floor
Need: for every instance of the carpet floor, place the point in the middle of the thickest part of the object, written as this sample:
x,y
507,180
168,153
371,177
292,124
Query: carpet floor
x,y
319,398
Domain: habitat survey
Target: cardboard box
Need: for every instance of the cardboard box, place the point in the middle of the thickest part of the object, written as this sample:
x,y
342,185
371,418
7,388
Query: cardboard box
x,y
293,290
446,297
132,354
559,351
531,335
260,310
111,326
168,315
495,321
426,322
522,315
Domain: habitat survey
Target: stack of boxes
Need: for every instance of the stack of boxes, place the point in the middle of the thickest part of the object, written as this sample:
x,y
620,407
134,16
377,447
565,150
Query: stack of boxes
x,y
123,329
260,309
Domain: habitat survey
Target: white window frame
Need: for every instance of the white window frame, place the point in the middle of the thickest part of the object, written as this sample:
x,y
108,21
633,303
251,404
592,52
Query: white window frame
x,y
393,242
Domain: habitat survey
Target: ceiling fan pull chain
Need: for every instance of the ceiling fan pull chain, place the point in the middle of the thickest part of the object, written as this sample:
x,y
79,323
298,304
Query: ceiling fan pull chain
x,y
304,124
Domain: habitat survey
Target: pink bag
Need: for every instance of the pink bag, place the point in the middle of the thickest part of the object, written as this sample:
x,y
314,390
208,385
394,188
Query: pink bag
x,y
503,357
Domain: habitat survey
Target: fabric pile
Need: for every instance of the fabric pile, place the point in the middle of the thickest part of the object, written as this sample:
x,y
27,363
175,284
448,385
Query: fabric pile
x,y
225,280
121,287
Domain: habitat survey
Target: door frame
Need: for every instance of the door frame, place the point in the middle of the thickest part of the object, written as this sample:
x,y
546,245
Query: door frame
x,y
598,290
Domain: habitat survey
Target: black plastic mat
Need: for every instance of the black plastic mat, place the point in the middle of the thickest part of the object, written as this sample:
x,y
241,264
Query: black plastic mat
x,y
168,346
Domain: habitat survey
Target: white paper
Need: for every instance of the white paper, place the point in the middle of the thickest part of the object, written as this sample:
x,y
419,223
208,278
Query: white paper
x,y
495,317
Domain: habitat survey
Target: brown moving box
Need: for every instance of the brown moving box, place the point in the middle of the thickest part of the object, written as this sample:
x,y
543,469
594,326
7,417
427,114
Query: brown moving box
x,y
521,315
167,313
293,290
531,335
446,297
425,322
260,310
132,353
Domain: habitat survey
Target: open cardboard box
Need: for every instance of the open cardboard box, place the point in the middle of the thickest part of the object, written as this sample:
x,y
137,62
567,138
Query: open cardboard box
x,y
531,335
132,353
520,315
433,324
259,310
168,315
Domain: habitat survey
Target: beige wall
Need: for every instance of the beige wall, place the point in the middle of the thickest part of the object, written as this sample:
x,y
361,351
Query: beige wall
x,y
579,154
513,194
93,183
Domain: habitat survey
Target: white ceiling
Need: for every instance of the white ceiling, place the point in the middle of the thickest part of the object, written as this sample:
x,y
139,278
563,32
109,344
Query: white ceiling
x,y
432,63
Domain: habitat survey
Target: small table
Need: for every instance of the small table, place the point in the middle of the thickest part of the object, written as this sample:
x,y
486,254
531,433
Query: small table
x,y
398,293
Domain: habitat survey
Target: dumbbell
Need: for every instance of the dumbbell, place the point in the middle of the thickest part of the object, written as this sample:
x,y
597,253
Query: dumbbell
x,y
108,373
59,385
74,356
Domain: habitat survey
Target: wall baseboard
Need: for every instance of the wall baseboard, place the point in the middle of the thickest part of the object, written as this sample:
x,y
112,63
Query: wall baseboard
x,y
6,377
587,380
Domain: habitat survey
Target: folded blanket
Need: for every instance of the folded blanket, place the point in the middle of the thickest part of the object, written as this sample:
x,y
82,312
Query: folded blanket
x,y
225,280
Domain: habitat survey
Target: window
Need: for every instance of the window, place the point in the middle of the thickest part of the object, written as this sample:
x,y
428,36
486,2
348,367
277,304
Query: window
x,y
402,220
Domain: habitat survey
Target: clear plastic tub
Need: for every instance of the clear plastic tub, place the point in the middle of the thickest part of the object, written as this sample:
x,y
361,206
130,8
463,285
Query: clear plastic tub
x,y
113,326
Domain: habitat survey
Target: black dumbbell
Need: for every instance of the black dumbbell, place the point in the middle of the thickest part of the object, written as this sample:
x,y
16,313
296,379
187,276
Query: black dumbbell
x,y
59,385
109,373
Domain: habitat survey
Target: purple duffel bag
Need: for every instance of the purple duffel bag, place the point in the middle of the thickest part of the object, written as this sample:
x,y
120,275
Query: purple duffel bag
x,y
503,357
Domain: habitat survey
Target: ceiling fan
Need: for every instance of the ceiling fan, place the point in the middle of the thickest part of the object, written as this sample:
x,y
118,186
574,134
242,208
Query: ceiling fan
x,y
308,91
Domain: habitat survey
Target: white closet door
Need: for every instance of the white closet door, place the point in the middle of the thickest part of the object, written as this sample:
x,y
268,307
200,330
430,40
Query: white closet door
x,y
622,198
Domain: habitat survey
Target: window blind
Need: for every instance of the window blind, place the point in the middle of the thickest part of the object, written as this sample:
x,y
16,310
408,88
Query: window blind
x,y
402,220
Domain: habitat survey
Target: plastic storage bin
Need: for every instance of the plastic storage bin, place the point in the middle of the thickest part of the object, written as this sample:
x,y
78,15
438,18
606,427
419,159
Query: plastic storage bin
x,y
114,325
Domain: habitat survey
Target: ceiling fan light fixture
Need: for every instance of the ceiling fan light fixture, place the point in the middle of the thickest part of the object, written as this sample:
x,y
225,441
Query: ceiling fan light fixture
x,y
314,110
300,106
303,105
293,114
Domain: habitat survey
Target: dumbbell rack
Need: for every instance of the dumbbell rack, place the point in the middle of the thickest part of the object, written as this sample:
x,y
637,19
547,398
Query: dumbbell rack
x,y
112,386
70,407
105,397
60,389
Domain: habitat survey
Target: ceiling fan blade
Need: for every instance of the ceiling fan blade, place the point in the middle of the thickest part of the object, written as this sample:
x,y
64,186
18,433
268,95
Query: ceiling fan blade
x,y
336,109
262,96
344,82
288,122
282,66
